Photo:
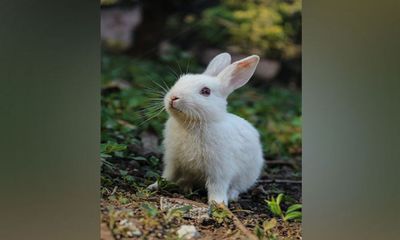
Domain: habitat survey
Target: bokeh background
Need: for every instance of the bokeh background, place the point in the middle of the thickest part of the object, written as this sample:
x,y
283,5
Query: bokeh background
x,y
145,41
146,44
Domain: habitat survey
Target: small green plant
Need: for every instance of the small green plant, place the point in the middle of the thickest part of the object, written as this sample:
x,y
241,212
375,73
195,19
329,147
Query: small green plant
x,y
151,215
177,212
163,184
292,212
142,192
106,149
109,149
149,210
265,232
219,213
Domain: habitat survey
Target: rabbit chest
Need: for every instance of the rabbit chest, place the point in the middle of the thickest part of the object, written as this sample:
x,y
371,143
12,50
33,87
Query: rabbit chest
x,y
195,152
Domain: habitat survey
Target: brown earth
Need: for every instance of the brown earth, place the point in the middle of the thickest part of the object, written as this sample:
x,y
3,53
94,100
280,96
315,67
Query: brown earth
x,y
132,212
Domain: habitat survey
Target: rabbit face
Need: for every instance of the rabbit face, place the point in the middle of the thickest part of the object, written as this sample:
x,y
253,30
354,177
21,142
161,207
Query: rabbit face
x,y
196,97
203,96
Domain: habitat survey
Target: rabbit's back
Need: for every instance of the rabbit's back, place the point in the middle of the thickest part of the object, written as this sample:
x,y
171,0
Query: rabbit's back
x,y
247,152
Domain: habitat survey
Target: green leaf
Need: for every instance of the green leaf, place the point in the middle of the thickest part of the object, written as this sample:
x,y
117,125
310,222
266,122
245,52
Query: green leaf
x,y
259,232
279,198
149,209
128,178
119,154
123,200
268,225
111,147
293,215
219,213
139,158
104,155
151,174
184,208
274,207
294,207
177,212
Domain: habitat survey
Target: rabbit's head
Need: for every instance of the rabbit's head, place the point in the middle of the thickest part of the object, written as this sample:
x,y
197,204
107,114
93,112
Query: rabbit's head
x,y
203,96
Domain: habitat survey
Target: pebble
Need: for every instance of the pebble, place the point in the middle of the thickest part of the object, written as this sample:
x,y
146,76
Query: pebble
x,y
188,232
196,212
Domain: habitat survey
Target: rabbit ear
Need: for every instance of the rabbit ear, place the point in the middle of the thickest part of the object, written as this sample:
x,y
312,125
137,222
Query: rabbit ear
x,y
217,64
238,74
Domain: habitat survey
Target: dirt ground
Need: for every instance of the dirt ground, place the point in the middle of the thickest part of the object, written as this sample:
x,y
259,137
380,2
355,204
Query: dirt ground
x,y
129,211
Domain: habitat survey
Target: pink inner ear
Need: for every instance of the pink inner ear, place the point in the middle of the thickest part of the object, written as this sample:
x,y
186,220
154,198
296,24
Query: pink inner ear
x,y
238,73
247,63
241,72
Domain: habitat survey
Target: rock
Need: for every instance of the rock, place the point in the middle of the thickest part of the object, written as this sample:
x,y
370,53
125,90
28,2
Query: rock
x,y
127,228
267,69
115,85
134,164
149,143
258,190
117,26
198,211
188,232
136,148
120,84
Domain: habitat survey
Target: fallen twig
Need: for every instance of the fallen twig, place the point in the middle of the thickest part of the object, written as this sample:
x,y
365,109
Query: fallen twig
x,y
187,201
280,181
243,210
114,190
291,163
239,224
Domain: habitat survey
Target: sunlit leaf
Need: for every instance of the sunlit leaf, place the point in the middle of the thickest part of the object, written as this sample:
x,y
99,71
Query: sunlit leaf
x,y
293,215
293,207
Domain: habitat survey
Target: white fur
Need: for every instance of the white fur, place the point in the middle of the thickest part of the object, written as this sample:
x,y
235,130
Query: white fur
x,y
218,64
204,144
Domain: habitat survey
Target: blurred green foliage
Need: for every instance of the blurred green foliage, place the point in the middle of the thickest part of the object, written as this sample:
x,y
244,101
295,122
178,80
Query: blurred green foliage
x,y
276,112
269,28
108,2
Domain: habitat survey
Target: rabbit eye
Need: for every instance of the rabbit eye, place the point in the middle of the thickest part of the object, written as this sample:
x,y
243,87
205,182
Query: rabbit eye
x,y
205,91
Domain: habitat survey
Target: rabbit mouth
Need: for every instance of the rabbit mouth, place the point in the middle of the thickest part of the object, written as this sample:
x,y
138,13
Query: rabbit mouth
x,y
175,109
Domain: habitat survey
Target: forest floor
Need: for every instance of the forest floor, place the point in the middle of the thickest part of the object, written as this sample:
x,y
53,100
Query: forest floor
x,y
136,213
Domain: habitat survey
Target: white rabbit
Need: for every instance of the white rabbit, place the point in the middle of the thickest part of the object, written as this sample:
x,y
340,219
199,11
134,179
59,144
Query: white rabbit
x,y
204,144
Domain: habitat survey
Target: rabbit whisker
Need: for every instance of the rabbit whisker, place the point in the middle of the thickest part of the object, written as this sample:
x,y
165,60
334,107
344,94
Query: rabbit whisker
x,y
154,92
155,115
187,66
166,85
165,90
180,69
173,71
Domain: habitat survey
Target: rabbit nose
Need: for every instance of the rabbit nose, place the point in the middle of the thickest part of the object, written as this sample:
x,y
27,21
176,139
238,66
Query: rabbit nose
x,y
174,98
